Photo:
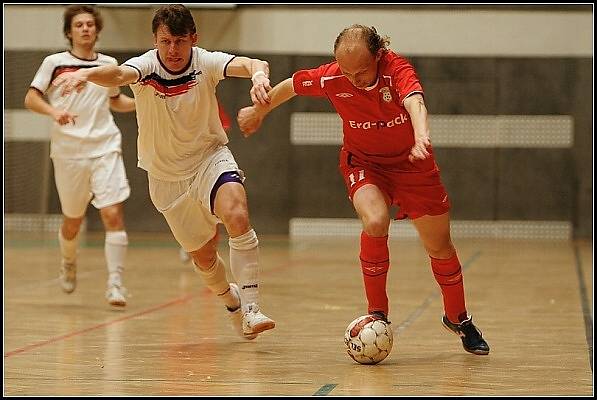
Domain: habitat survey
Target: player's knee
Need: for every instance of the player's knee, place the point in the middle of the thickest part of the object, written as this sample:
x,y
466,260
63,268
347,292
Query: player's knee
x,y
205,257
376,226
441,250
112,219
203,263
236,220
71,226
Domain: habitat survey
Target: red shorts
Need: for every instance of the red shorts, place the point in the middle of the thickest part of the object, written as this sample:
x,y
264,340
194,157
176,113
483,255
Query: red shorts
x,y
416,193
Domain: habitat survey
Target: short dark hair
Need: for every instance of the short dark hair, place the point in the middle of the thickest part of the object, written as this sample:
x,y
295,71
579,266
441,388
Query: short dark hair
x,y
176,17
72,11
368,34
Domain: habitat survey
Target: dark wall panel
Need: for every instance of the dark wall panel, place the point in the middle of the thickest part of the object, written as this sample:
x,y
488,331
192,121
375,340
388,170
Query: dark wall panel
x,y
317,187
535,86
535,185
285,181
469,176
458,85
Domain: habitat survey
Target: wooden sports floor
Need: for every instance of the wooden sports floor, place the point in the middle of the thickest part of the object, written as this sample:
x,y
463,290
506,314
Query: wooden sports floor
x,y
531,299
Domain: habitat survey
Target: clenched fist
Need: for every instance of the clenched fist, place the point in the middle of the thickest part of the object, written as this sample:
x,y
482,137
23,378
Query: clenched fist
x,y
249,120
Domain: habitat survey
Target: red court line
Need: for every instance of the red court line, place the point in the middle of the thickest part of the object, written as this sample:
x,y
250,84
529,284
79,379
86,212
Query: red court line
x,y
146,311
75,333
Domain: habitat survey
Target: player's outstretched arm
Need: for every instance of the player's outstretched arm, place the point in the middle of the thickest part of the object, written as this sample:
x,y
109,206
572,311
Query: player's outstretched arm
x,y
250,118
258,71
107,75
122,103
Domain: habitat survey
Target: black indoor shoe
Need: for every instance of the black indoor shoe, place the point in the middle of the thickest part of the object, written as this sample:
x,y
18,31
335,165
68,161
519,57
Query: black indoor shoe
x,y
381,315
472,341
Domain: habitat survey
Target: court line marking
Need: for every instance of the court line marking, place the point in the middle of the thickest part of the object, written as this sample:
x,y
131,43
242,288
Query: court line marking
x,y
419,310
176,301
325,389
584,301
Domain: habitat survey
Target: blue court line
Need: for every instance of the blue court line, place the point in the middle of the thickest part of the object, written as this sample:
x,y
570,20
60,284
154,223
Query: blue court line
x,y
419,310
325,389
584,301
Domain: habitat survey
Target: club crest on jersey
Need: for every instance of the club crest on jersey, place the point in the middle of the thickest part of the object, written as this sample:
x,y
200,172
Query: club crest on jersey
x,y
385,94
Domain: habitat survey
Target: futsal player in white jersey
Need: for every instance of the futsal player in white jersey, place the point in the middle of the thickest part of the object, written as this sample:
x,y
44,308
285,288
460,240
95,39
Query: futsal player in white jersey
x,y
85,148
194,180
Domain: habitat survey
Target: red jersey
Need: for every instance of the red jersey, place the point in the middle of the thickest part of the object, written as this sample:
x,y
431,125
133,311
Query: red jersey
x,y
376,126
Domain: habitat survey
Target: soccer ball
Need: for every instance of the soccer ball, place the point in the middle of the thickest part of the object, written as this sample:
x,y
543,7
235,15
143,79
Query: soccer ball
x,y
368,339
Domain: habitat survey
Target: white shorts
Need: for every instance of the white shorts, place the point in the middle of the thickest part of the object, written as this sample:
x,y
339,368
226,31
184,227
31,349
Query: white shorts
x,y
186,204
78,181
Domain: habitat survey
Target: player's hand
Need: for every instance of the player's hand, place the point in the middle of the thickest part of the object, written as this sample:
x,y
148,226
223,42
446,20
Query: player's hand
x,y
419,150
68,82
249,120
64,117
261,86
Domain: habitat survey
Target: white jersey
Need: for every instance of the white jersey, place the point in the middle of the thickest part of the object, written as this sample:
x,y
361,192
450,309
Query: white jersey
x,y
94,132
177,114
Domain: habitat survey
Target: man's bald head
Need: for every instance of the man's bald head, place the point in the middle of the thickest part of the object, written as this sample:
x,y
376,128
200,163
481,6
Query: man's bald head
x,y
360,35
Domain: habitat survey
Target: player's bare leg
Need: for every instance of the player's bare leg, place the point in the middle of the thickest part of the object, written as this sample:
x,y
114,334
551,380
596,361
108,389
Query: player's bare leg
x,y
230,205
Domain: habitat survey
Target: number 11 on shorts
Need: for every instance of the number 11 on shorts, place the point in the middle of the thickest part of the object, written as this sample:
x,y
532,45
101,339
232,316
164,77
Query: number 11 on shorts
x,y
361,177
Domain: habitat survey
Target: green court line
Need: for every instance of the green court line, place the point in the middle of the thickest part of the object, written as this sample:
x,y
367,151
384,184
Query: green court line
x,y
325,389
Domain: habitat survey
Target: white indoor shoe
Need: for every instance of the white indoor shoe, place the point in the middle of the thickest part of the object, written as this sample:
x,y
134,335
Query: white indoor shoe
x,y
236,315
68,276
116,295
254,321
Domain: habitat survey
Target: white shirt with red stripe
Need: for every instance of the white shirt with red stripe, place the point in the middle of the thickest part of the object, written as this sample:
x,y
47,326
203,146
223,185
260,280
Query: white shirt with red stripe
x,y
177,113
376,126
94,132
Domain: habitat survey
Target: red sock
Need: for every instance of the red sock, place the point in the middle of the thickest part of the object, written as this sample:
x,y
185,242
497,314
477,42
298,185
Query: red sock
x,y
448,274
375,261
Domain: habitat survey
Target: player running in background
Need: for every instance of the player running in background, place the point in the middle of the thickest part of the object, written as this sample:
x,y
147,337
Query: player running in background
x,y
85,147
386,159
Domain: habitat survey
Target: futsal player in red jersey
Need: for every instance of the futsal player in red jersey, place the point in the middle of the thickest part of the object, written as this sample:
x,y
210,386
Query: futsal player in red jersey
x,y
386,159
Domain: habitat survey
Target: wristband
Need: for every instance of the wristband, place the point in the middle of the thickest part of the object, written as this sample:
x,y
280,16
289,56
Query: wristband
x,y
258,73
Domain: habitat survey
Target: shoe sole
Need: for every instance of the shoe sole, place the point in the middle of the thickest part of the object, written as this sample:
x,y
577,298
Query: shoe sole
x,y
117,303
476,352
262,328
250,336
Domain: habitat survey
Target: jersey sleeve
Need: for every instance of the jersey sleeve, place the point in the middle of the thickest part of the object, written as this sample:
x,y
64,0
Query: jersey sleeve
x,y
216,63
143,64
406,81
43,77
308,82
113,91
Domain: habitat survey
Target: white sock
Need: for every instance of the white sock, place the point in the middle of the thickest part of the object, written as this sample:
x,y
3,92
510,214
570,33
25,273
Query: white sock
x,y
115,248
215,280
244,257
68,248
